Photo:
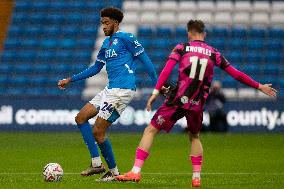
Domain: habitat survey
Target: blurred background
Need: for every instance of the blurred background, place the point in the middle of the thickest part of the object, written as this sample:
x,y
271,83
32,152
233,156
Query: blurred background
x,y
44,41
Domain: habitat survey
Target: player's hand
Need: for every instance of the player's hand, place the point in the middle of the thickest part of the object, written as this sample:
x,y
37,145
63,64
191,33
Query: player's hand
x,y
150,102
63,83
268,90
164,90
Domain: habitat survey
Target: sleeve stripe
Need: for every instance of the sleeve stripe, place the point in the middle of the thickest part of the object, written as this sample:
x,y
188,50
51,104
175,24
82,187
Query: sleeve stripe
x,y
139,52
101,61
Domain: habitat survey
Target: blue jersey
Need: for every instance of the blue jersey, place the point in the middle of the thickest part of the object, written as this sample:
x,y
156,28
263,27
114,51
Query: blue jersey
x,y
118,53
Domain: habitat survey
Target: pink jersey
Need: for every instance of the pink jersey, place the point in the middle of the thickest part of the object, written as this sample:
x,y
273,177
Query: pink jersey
x,y
196,62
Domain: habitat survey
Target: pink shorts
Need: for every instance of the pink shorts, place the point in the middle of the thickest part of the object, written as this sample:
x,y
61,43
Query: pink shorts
x,y
166,116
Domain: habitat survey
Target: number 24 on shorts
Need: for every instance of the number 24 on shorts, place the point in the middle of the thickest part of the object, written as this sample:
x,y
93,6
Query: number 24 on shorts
x,y
107,107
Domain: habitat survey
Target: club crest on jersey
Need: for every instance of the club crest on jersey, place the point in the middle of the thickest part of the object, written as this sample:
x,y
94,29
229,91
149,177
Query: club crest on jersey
x,y
160,120
110,53
184,99
115,41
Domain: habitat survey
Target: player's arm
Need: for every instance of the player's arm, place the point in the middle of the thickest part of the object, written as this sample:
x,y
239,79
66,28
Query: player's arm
x,y
143,57
91,71
161,81
245,79
170,64
242,77
137,50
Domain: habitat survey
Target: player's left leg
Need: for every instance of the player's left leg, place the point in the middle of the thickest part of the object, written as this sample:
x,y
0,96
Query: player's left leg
x,y
194,120
100,130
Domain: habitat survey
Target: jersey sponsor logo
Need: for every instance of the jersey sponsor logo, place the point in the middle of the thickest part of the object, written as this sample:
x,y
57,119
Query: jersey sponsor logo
x,y
110,53
198,50
160,120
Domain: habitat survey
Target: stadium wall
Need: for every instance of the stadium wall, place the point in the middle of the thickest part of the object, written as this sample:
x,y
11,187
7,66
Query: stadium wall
x,y
47,114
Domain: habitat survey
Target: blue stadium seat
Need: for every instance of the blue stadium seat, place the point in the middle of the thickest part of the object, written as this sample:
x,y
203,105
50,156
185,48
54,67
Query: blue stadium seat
x,y
257,32
145,31
19,80
22,68
15,91
276,33
41,68
274,44
35,91
254,57
256,44
181,31
146,43
237,44
272,57
239,32
235,57
164,32
218,44
222,32
270,68
37,17
5,67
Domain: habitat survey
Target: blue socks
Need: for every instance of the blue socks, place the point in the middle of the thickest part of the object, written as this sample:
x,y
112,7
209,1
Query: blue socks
x,y
107,153
89,139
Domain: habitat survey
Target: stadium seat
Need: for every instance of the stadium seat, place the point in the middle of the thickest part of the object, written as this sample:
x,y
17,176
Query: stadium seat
x,y
261,6
145,31
167,18
181,31
169,6
277,6
205,6
5,68
239,32
276,33
272,57
243,6
206,17
220,32
148,5
224,6
187,6
241,18
131,6
276,19
256,32
261,19
148,18
164,32
223,18
184,17
130,17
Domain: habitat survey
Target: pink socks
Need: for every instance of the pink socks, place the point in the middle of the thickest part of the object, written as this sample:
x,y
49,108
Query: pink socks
x,y
141,156
196,163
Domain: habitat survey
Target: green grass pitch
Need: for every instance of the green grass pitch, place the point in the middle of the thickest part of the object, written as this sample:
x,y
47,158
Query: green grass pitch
x,y
230,160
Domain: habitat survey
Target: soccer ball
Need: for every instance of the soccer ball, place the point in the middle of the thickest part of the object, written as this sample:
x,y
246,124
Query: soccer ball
x,y
52,172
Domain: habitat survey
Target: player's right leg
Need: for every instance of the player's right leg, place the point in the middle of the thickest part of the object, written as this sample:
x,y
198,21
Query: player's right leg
x,y
87,112
142,153
164,118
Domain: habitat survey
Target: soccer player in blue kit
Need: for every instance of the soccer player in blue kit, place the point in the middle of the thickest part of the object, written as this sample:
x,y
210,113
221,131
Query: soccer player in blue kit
x,y
118,52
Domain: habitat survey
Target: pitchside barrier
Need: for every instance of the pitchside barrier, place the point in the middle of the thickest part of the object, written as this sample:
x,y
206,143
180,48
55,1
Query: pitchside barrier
x,y
47,114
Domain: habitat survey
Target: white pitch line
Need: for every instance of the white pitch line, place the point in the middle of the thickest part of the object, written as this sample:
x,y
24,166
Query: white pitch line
x,y
161,173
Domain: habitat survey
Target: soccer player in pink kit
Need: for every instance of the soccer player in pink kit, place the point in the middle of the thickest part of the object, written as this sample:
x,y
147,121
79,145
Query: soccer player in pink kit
x,y
196,61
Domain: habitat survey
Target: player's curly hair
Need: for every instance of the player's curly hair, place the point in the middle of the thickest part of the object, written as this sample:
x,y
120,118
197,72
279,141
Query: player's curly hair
x,y
196,26
113,13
